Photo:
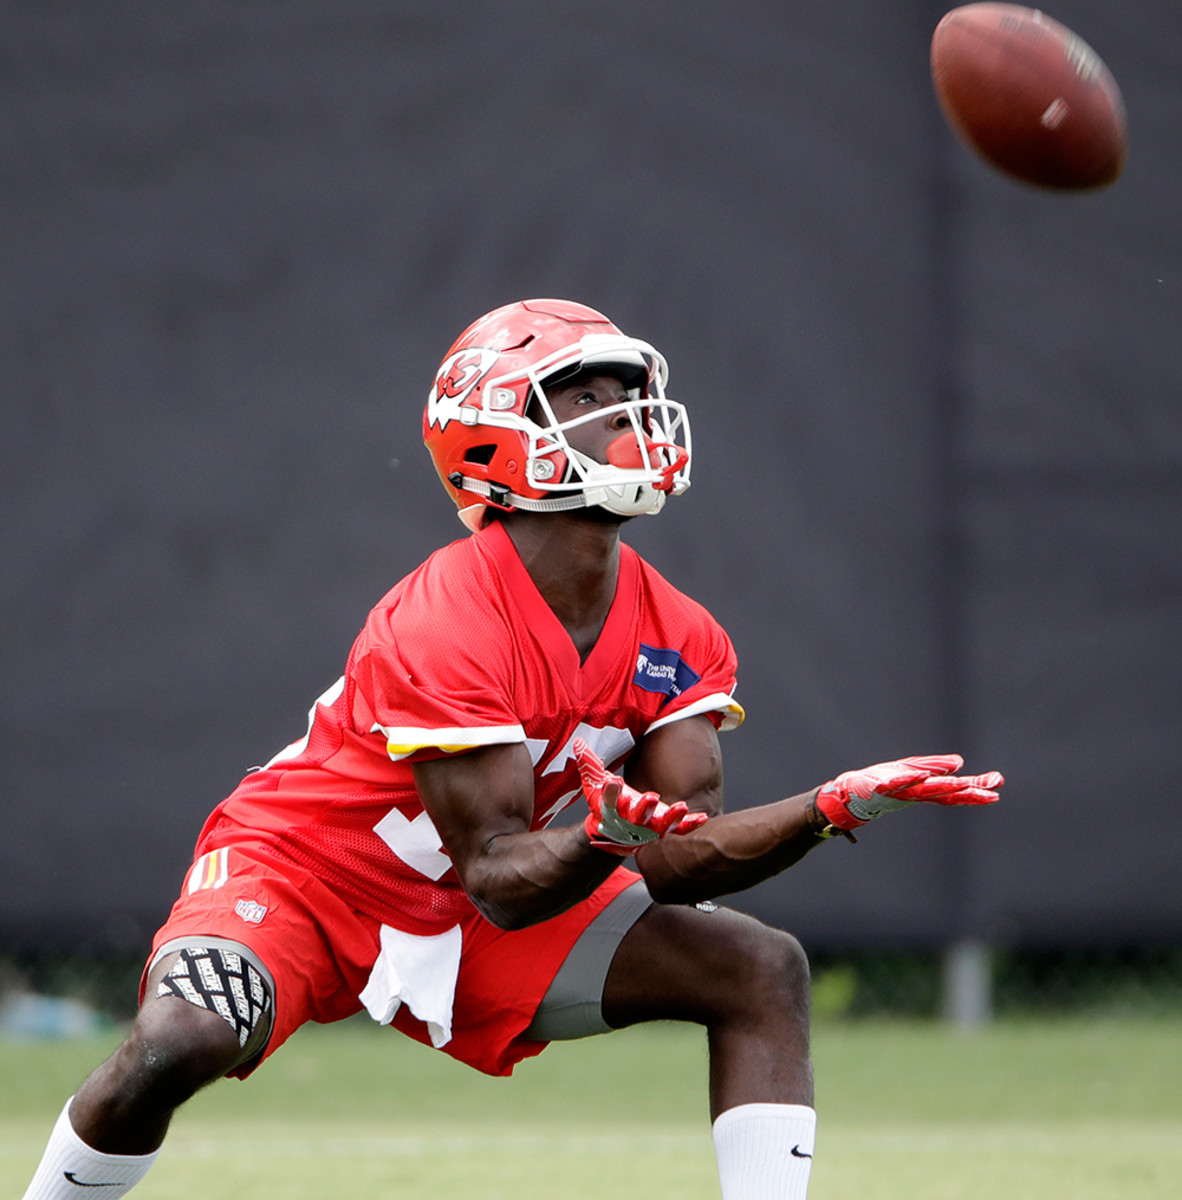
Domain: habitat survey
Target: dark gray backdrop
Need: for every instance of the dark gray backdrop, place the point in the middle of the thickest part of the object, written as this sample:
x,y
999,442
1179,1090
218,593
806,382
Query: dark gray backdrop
x,y
936,414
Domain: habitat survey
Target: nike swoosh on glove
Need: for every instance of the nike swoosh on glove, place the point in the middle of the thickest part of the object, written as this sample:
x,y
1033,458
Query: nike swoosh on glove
x,y
856,797
621,819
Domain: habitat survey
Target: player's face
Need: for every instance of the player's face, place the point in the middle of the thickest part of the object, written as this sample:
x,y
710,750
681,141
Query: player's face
x,y
586,396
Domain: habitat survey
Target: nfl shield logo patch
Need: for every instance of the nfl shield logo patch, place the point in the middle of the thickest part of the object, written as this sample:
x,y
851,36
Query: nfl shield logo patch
x,y
250,910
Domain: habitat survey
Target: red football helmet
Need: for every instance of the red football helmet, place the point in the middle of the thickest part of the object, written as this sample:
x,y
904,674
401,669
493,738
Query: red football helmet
x,y
490,453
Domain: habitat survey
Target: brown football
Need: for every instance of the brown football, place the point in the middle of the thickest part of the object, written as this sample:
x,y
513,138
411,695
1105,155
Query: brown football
x,y
1029,96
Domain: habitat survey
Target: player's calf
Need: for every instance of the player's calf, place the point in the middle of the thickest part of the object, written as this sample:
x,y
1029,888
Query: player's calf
x,y
107,1136
748,984
205,1012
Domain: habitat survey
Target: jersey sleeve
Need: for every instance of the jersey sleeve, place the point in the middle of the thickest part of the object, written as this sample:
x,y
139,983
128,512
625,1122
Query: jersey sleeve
x,y
433,686
691,660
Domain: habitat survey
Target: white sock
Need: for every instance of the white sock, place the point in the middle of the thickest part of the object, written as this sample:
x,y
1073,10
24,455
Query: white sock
x,y
765,1151
69,1167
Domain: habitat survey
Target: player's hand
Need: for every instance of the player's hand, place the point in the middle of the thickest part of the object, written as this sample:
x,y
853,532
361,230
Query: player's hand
x,y
856,797
622,819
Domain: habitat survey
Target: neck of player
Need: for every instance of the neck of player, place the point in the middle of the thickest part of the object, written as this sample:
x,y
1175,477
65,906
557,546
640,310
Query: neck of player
x,y
574,560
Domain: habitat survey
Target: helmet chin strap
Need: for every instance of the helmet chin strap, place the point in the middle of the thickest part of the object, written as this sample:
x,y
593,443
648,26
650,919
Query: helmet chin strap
x,y
508,499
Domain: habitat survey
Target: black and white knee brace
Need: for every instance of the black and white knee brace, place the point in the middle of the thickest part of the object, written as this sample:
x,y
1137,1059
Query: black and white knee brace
x,y
224,982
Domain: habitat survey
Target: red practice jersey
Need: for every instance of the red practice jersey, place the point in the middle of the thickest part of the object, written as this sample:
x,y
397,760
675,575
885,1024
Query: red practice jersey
x,y
464,653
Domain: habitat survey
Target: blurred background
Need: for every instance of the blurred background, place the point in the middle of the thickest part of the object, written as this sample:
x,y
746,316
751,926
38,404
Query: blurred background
x,y
937,492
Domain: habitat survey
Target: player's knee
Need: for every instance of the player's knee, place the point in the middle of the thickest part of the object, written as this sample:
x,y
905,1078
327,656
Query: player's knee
x,y
208,1009
775,971
175,1049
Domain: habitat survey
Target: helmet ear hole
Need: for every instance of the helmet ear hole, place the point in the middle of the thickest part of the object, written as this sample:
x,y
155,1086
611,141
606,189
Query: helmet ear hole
x,y
480,454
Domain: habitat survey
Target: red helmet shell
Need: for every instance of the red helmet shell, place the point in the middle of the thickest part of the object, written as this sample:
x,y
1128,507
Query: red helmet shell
x,y
491,371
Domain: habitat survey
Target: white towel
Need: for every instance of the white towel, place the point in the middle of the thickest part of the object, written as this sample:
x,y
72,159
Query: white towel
x,y
419,972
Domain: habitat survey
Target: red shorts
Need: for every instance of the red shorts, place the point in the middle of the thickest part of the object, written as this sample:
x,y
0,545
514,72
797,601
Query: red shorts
x,y
320,952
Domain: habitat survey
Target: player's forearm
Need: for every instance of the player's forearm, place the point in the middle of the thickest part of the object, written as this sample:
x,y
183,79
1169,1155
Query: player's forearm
x,y
730,852
524,878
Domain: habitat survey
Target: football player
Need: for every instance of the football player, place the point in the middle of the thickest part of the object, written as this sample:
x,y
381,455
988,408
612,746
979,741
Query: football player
x,y
403,856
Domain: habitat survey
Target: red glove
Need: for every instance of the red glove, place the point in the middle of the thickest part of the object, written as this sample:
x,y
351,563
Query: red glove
x,y
622,819
855,797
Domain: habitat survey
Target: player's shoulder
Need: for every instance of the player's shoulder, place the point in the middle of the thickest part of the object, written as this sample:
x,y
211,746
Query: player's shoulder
x,y
447,577
665,597
454,603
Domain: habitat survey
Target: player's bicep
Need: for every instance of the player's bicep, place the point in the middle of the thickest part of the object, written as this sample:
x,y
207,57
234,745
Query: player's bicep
x,y
680,761
475,797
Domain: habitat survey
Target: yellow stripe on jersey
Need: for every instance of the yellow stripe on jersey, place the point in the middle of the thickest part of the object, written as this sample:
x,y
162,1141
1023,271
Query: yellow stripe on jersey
x,y
402,740
397,752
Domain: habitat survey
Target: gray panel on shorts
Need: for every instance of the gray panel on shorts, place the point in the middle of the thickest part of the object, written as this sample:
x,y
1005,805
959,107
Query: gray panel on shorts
x,y
572,1006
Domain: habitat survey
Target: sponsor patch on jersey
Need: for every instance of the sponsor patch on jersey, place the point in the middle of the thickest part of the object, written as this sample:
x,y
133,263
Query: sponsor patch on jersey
x,y
663,671
251,911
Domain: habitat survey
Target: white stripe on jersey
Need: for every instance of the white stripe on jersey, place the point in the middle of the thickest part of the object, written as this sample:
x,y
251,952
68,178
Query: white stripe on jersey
x,y
731,709
297,748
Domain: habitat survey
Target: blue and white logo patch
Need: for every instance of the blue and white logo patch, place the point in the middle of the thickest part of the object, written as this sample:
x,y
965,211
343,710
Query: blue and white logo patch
x,y
663,671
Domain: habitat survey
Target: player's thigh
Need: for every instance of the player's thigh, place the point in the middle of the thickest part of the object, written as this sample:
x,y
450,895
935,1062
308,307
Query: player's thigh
x,y
573,1004
685,963
260,929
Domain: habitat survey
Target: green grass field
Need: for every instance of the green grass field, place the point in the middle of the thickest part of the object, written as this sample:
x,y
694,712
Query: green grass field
x,y
1044,1110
